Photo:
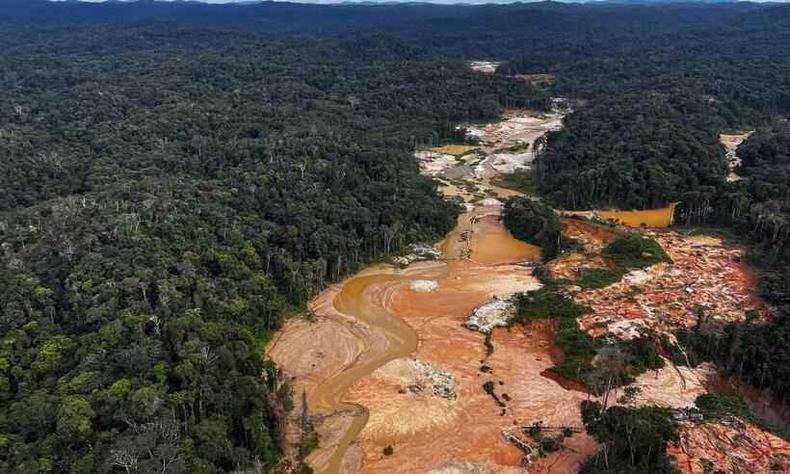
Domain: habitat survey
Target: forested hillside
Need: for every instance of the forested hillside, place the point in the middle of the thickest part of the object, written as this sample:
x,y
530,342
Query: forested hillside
x,y
636,151
167,197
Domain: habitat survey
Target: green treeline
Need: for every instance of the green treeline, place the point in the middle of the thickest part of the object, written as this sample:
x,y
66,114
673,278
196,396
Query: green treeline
x,y
634,439
166,197
759,210
635,151
645,133
534,222
174,180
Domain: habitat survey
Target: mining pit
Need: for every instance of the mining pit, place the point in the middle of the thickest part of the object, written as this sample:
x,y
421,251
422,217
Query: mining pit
x,y
729,445
394,363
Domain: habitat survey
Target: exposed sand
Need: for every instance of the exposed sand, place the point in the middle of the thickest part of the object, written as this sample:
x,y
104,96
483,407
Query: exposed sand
x,y
365,332
468,428
671,386
487,67
388,361
425,286
571,267
731,143
505,147
455,150
594,237
706,273
433,163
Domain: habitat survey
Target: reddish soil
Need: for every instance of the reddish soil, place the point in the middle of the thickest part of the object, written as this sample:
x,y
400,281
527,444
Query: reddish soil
x,y
365,365
737,446
706,273
563,382
427,433
594,237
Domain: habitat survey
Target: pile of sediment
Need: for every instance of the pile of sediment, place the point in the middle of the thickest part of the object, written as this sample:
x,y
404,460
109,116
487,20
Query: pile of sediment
x,y
494,314
442,383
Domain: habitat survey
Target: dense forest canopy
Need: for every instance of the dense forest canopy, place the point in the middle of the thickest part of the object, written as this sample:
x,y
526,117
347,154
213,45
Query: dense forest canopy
x,y
175,178
165,202
759,209
635,151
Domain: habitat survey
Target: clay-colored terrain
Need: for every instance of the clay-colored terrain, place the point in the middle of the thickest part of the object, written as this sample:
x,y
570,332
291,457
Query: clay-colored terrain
x,y
388,362
707,275
455,150
731,445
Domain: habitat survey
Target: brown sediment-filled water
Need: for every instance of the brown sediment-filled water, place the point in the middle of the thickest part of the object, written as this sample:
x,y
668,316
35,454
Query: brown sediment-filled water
x,y
427,432
492,244
356,299
480,236
378,320
363,333
361,302
662,217
654,218
361,364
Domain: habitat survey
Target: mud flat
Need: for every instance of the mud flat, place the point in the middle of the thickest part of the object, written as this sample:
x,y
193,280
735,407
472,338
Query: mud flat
x,y
454,150
362,363
375,328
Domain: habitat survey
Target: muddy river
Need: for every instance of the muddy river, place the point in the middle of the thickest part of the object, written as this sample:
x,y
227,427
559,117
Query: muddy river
x,y
376,325
378,335
393,379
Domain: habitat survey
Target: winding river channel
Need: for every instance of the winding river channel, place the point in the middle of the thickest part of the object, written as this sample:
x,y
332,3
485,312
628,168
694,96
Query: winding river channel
x,y
360,324
379,339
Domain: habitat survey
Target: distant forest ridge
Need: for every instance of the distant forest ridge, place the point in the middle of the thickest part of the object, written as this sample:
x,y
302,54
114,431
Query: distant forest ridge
x,y
322,20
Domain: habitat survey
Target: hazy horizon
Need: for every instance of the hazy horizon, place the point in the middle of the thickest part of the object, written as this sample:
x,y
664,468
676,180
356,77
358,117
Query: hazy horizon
x,y
446,2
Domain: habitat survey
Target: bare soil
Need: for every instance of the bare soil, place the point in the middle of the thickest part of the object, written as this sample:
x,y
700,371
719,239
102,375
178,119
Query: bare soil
x,y
361,364
731,143
736,446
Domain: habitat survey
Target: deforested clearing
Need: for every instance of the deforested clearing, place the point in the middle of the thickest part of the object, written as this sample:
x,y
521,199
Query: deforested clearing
x,y
731,141
538,79
444,321
487,67
732,445
454,150
393,237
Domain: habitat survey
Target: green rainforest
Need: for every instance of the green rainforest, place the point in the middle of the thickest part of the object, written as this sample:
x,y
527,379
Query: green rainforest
x,y
178,178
